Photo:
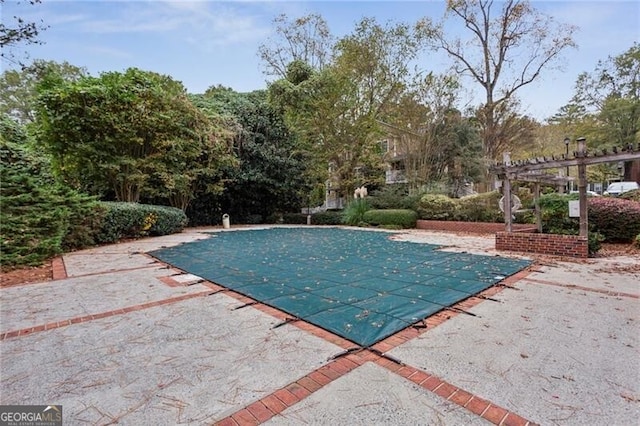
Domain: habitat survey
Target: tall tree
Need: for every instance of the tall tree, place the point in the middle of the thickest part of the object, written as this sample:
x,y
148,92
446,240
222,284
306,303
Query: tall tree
x,y
270,172
336,110
124,132
18,88
612,93
606,108
507,48
305,39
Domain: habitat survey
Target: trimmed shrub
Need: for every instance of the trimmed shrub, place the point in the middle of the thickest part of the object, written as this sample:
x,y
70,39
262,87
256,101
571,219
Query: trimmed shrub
x,y
480,208
353,214
618,220
437,207
327,218
633,195
393,197
402,218
133,220
295,218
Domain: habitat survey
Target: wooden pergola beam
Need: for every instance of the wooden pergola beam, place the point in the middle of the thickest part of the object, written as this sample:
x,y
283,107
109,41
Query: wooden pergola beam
x,y
540,164
522,171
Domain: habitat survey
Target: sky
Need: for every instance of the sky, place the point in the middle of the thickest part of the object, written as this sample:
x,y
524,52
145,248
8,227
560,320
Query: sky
x,y
208,42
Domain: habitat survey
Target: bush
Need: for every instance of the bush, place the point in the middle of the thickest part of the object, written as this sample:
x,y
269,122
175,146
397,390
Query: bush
x,y
327,218
251,219
401,218
633,195
133,220
295,218
480,208
437,207
555,214
393,197
595,240
38,218
353,214
637,242
618,220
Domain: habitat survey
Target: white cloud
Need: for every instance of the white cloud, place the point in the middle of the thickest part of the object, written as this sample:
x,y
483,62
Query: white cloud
x,y
190,20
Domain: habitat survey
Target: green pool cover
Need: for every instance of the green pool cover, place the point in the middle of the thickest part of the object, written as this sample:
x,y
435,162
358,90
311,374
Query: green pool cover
x,y
360,285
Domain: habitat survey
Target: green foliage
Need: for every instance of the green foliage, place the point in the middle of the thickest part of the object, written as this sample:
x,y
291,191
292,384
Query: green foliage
x,y
134,133
555,214
399,217
327,218
336,110
393,197
295,218
38,218
353,214
18,88
480,208
637,241
133,220
633,195
595,240
437,207
271,173
556,220
612,94
618,220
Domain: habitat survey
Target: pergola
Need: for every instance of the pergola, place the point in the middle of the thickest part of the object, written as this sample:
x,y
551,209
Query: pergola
x,y
531,171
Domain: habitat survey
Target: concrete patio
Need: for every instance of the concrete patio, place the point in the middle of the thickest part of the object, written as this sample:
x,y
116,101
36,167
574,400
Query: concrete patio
x,y
125,339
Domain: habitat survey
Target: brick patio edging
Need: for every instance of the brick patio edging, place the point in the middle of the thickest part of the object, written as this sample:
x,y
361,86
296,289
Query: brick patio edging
x,y
58,270
273,404
469,227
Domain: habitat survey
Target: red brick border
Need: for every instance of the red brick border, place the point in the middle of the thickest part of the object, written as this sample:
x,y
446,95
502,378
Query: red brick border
x,y
273,404
264,409
276,402
583,288
59,271
85,318
469,227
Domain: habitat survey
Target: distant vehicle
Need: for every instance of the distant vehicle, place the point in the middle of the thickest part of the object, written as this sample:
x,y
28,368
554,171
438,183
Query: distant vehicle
x,y
617,188
589,193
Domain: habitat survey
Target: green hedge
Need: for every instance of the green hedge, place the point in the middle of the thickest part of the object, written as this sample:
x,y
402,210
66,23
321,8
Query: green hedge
x,y
327,218
402,218
295,218
133,220
393,197
479,208
437,207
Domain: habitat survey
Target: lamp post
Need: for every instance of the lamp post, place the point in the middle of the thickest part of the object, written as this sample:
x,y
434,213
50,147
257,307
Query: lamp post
x,y
621,170
566,146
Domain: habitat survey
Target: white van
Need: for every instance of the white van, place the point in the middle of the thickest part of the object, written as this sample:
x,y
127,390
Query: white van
x,y
617,188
